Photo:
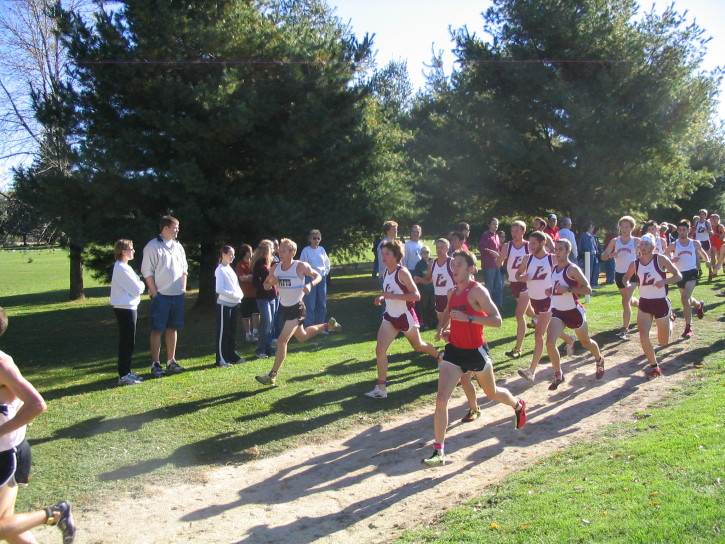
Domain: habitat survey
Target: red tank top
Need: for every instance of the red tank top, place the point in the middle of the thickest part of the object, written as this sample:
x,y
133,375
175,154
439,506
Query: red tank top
x,y
463,334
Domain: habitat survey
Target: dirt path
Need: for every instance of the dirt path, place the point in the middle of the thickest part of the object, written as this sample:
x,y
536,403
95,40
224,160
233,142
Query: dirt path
x,y
369,485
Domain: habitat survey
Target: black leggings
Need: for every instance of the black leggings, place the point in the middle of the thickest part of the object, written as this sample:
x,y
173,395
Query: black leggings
x,y
126,338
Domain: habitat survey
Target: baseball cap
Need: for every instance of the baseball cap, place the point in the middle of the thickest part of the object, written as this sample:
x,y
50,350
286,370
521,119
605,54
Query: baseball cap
x,y
552,216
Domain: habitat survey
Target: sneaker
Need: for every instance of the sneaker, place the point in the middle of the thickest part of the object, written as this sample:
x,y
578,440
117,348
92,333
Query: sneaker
x,y
700,310
438,459
224,363
273,342
249,337
520,415
255,335
599,374
441,356
513,354
65,521
688,332
377,393
472,415
156,370
262,355
135,376
654,372
527,374
673,316
174,367
623,334
558,380
128,379
531,325
710,275
333,325
570,349
237,361
266,380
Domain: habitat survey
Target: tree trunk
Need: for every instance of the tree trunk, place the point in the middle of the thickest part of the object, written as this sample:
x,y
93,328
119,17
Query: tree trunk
x,y
76,272
207,283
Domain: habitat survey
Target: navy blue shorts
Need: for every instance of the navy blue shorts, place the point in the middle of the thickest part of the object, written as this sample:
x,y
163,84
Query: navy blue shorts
x,y
167,312
15,464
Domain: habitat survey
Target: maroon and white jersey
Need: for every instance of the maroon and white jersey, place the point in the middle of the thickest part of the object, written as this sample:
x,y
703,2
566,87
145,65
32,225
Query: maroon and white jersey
x,y
393,284
539,272
442,277
624,254
515,258
701,232
648,274
686,256
566,300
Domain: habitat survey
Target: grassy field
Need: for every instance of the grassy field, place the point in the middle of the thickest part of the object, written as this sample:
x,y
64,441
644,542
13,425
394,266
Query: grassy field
x,y
97,438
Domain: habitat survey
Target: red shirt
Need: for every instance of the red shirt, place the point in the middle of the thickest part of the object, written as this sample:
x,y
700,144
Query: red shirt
x,y
463,334
554,233
248,289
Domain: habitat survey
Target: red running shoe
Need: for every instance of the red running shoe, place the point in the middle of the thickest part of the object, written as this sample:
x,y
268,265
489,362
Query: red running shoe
x,y
599,374
558,380
520,415
700,310
654,372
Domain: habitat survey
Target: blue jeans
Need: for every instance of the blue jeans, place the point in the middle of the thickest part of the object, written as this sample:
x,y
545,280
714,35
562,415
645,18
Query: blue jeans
x,y
316,303
266,322
494,283
595,271
610,270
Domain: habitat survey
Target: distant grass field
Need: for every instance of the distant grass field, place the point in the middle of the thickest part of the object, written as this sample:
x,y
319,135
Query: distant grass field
x,y
97,438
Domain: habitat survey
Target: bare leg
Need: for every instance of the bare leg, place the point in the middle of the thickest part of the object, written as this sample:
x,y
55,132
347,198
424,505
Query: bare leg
x,y
583,334
688,303
644,324
664,330
386,335
469,390
487,381
246,322
155,342
447,378
413,336
171,344
522,307
303,333
541,326
626,309
8,494
556,328
288,329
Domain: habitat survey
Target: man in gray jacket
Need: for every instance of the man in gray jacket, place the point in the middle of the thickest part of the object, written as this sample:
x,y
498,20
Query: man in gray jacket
x,y
165,271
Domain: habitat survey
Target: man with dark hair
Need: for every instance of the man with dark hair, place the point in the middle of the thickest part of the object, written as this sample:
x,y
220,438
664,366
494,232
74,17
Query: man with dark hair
x,y
469,309
165,271
551,229
490,248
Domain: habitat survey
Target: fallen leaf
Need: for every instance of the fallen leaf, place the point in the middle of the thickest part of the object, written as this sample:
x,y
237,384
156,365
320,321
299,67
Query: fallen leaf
x,y
586,522
254,450
494,526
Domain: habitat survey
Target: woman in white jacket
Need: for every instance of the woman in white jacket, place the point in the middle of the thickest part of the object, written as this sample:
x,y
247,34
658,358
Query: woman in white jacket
x,y
229,295
126,291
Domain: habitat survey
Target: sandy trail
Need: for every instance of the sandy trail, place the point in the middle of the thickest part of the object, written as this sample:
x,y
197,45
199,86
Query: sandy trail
x,y
369,485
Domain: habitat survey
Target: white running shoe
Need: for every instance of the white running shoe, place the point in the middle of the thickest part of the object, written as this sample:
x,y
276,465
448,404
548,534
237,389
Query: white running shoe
x,y
129,379
527,374
377,393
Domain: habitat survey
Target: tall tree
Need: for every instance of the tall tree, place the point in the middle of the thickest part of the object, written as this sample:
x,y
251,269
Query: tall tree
x,y
240,118
596,113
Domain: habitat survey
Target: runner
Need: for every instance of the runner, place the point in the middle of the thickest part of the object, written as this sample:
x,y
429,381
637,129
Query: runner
x,y
469,309
651,271
513,254
569,282
703,230
288,276
684,252
717,239
540,226
623,249
536,270
399,295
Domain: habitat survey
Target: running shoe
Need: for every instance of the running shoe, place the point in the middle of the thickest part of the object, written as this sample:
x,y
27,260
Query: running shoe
x,y
65,521
531,324
156,370
472,415
700,310
262,355
557,381
654,372
129,379
441,356
673,315
710,275
174,367
333,325
570,349
688,332
377,393
266,380
249,337
237,361
623,334
438,459
599,374
520,415
136,376
224,363
514,353
527,374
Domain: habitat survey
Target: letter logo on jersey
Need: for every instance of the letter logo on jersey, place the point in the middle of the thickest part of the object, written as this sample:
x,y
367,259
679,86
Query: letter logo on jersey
x,y
684,253
648,279
554,292
517,262
441,280
540,273
285,282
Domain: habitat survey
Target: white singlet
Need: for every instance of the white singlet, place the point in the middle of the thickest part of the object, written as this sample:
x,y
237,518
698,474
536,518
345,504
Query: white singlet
x,y
624,254
565,301
442,278
391,284
290,284
686,256
539,272
515,258
13,438
648,274
701,234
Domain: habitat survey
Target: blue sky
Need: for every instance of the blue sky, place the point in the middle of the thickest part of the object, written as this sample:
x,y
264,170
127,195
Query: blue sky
x,y
410,29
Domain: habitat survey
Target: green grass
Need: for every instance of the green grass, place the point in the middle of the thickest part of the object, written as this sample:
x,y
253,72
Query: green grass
x,y
97,438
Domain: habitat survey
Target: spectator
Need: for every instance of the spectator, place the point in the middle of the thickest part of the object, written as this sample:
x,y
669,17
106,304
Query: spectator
x,y
465,230
413,248
316,300
261,263
229,295
551,229
390,231
425,307
566,233
609,266
490,247
248,307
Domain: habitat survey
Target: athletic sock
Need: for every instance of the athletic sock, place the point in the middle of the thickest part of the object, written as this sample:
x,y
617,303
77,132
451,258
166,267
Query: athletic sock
x,y
438,447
